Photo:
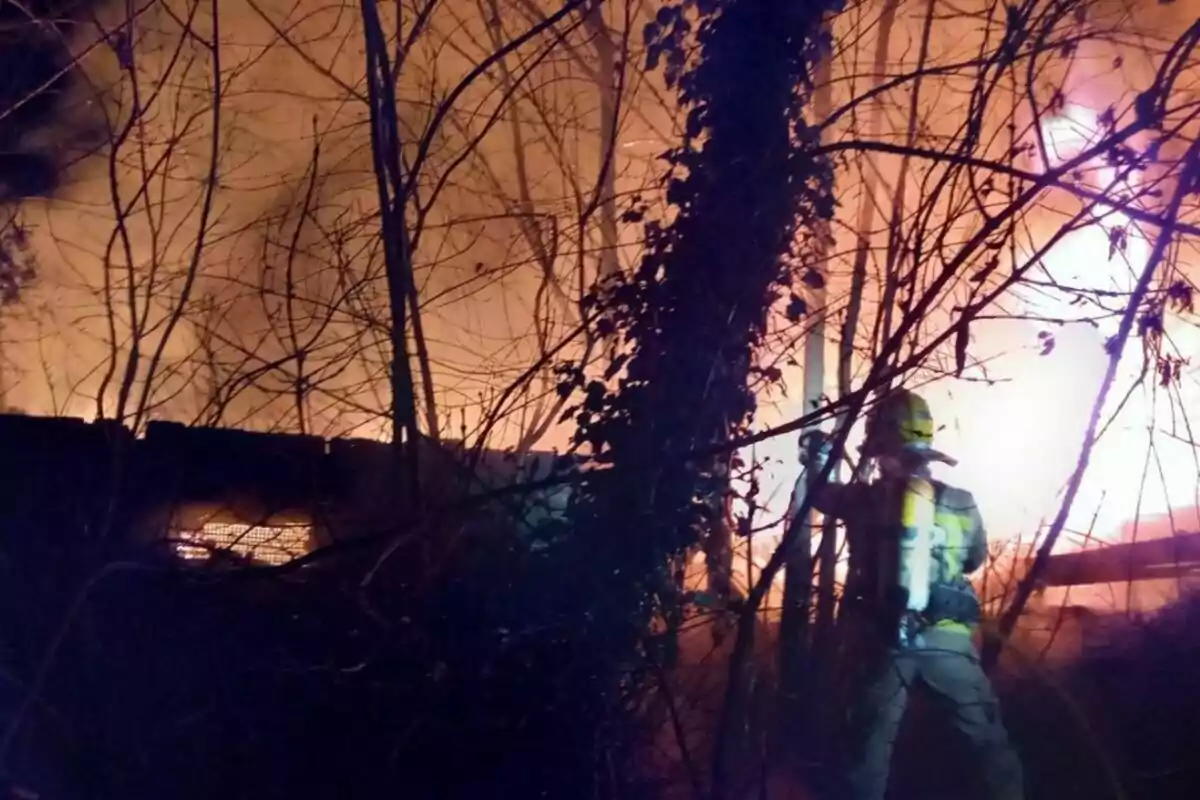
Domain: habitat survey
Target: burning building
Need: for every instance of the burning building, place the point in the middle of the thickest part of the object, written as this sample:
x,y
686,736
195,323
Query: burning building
x,y
215,495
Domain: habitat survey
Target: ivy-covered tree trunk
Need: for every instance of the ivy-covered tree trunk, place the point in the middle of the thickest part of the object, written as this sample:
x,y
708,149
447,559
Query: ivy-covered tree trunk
x,y
747,189
717,536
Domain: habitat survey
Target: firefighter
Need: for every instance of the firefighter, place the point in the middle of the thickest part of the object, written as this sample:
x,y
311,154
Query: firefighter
x,y
913,541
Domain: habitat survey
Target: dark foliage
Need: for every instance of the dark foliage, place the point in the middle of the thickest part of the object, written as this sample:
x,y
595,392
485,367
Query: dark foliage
x,y
1129,709
17,264
467,682
458,672
746,189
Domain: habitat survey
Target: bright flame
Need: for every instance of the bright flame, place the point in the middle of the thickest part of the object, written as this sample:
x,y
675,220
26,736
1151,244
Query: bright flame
x,y
1067,135
1018,440
1031,455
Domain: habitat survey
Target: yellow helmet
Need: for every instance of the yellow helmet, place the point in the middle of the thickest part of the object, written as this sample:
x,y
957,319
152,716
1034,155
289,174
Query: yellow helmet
x,y
901,423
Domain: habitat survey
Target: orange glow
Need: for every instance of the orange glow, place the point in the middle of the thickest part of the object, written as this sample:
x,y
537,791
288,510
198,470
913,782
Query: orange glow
x,y
264,544
1018,437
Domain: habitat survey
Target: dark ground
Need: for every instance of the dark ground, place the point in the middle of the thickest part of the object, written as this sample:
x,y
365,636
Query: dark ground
x,y
170,688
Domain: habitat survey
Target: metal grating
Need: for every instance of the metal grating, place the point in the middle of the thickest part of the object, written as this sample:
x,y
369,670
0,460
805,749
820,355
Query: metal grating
x,y
264,544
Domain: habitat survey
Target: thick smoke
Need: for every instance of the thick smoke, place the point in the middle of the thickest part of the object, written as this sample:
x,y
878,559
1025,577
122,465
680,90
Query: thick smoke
x,y
35,74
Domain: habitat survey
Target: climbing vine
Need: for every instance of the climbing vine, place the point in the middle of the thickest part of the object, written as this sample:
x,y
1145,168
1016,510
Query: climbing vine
x,y
747,190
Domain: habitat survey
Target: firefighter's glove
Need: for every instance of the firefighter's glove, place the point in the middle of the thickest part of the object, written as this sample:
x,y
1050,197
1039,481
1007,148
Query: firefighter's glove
x,y
816,447
910,634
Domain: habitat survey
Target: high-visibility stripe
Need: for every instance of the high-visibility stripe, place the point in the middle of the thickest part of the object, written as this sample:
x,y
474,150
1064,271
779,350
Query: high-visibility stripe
x,y
918,507
952,626
950,544
917,515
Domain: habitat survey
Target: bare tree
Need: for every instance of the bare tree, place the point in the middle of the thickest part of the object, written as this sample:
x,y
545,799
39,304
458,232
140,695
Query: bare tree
x,y
279,297
993,204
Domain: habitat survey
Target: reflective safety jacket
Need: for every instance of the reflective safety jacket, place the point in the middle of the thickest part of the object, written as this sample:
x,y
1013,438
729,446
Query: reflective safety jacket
x,y
892,568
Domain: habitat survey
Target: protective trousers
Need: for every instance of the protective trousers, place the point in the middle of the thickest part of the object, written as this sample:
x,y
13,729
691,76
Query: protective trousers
x,y
949,666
